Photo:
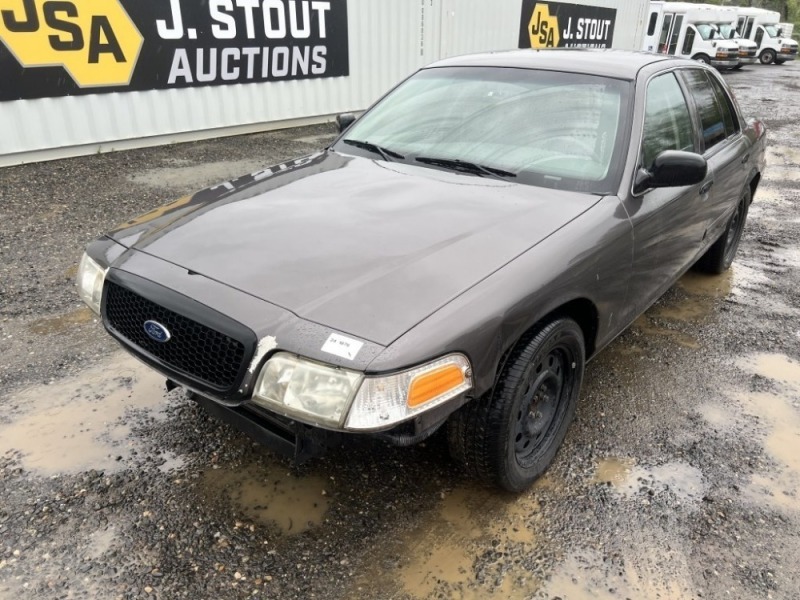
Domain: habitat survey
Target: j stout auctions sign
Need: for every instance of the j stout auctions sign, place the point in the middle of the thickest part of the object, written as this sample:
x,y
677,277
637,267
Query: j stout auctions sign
x,y
63,47
557,24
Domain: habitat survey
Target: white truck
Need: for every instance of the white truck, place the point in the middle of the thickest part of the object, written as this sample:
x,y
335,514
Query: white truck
x,y
762,26
726,28
685,29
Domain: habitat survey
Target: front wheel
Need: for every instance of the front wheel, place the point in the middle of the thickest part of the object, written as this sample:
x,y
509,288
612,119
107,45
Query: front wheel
x,y
779,61
719,257
702,58
511,435
767,57
737,67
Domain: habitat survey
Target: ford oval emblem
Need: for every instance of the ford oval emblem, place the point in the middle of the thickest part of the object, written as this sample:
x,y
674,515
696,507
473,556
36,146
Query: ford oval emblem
x,y
156,331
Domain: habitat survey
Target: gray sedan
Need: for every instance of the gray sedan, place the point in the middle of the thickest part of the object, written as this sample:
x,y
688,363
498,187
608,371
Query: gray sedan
x,y
453,259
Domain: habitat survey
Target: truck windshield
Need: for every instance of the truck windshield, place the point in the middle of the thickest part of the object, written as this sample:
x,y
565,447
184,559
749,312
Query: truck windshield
x,y
707,31
728,32
543,128
772,31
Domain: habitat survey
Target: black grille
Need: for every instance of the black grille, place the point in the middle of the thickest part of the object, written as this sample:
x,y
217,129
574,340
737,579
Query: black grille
x,y
199,351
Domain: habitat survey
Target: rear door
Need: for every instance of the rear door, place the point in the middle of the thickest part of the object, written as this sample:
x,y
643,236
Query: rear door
x,y
723,146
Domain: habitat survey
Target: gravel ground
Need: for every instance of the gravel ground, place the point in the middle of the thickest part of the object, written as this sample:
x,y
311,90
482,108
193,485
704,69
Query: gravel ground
x,y
679,478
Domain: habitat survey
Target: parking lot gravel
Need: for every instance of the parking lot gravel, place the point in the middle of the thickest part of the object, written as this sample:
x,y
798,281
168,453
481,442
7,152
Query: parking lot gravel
x,y
678,480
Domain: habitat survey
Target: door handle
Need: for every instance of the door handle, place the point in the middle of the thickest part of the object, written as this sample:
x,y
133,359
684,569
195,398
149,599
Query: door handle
x,y
706,186
745,158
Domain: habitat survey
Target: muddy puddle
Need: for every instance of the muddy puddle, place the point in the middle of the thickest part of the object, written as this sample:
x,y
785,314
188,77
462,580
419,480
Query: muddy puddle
x,y
62,323
673,319
697,303
778,411
626,477
270,496
650,571
83,422
438,556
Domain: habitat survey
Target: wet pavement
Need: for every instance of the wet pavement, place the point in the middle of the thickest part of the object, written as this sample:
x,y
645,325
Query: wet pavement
x,y
678,480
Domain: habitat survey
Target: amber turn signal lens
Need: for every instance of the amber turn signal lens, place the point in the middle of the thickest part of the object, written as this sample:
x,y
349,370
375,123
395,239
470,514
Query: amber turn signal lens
x,y
433,384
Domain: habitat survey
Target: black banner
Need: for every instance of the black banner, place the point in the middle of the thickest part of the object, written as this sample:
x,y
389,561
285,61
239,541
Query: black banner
x,y
561,25
56,48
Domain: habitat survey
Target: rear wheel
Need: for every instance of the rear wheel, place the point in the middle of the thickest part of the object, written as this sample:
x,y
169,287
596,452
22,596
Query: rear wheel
x,y
511,435
767,57
720,255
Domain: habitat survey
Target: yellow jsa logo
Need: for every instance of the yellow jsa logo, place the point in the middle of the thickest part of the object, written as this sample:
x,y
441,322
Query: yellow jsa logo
x,y
96,42
543,28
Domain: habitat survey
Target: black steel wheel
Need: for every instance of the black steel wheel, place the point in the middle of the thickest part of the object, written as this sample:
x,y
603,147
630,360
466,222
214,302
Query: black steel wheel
x,y
719,257
767,57
511,435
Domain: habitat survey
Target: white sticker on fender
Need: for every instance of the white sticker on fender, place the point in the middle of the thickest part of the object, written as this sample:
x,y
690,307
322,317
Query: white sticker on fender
x,y
340,345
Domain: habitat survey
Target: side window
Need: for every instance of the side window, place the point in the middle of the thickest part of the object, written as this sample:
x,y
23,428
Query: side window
x,y
759,36
651,28
667,124
729,115
748,29
740,25
688,40
711,118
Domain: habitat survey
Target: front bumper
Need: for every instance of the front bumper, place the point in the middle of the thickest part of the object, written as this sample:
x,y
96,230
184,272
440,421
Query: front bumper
x,y
787,55
749,60
283,436
728,63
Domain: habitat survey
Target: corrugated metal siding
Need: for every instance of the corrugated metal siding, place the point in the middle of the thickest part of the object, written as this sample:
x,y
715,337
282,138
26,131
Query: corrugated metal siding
x,y
389,39
384,48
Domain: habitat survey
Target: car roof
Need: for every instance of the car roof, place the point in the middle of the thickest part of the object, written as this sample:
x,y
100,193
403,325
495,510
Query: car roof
x,y
622,64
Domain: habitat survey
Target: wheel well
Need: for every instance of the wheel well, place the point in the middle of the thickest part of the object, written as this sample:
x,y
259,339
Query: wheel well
x,y
754,185
584,313
580,310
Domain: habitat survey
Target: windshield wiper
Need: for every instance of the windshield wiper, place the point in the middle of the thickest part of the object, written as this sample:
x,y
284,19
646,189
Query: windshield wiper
x,y
384,152
465,166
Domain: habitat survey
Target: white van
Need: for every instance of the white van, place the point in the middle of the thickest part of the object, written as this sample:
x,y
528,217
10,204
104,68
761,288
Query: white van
x,y
685,29
748,49
762,27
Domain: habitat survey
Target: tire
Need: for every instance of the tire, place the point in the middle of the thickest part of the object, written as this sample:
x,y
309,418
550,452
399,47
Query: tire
x,y
767,57
702,58
511,435
719,257
779,61
737,67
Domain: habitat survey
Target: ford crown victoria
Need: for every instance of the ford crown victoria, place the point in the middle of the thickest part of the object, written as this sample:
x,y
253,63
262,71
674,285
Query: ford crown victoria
x,y
451,260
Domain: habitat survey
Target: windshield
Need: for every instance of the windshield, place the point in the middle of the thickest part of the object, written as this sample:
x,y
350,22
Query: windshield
x,y
728,31
550,129
707,32
772,31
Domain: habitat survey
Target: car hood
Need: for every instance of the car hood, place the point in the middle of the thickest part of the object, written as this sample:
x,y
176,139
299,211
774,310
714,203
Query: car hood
x,y
365,247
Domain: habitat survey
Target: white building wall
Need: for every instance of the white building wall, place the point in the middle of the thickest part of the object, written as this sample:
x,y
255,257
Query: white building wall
x,y
388,40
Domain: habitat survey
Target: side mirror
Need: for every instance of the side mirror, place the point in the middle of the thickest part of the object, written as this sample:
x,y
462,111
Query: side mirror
x,y
672,168
344,121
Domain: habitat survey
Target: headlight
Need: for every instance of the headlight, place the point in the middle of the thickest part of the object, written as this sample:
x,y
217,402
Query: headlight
x,y
384,401
90,282
308,390
321,395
